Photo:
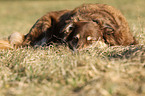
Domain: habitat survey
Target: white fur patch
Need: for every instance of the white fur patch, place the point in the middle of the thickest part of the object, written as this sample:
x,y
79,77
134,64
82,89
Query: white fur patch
x,y
15,38
78,36
89,38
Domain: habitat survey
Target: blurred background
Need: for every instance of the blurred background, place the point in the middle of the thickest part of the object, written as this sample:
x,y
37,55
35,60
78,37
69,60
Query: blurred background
x,y
20,15
56,71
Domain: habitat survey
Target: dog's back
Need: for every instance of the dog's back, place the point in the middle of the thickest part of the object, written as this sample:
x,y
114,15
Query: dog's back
x,y
115,28
113,25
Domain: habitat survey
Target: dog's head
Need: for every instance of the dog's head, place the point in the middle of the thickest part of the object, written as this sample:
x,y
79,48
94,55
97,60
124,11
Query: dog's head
x,y
80,34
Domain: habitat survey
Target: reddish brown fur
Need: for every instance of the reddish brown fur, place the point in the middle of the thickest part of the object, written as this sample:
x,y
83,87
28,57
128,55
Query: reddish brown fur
x,y
99,21
115,29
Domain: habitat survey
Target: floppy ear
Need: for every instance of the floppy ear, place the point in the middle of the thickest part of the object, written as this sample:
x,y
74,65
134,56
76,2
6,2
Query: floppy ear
x,y
108,32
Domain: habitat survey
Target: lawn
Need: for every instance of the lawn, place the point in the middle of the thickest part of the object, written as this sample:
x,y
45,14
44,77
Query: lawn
x,y
57,71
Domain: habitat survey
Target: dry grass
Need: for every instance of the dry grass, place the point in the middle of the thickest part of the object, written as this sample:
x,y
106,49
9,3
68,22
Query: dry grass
x,y
57,71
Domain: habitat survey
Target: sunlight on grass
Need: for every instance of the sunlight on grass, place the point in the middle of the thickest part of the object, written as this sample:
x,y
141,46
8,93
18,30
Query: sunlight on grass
x,y
57,71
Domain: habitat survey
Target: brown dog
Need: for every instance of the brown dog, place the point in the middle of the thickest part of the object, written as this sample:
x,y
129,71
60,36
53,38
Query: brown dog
x,y
79,28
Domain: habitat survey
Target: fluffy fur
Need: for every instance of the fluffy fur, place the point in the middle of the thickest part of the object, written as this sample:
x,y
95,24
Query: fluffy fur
x,y
4,44
78,28
14,40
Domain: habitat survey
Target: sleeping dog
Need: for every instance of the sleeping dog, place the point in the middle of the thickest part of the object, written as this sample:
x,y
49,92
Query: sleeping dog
x,y
77,28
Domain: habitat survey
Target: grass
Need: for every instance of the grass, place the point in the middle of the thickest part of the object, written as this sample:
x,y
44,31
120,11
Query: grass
x,y
57,71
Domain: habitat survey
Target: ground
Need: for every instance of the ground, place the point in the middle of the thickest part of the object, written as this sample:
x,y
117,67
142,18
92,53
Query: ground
x,y
56,70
